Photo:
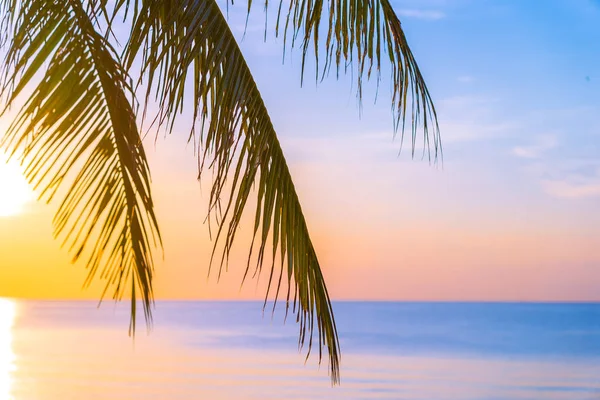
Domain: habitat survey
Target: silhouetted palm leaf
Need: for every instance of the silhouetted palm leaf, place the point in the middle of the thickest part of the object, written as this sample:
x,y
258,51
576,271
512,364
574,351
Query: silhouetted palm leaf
x,y
186,34
79,122
361,34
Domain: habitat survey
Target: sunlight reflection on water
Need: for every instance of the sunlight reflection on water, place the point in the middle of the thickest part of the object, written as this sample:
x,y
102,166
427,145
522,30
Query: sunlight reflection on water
x,y
220,351
7,356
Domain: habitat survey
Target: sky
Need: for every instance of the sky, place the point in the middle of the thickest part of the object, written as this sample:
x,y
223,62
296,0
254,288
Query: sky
x,y
511,214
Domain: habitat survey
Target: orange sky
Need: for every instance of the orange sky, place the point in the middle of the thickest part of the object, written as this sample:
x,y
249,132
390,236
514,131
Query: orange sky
x,y
367,252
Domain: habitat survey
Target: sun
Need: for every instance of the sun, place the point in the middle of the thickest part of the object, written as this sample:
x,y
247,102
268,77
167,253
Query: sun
x,y
15,193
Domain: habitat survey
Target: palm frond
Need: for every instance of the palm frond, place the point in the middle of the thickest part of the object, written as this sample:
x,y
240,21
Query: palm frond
x,y
79,125
78,129
361,34
189,41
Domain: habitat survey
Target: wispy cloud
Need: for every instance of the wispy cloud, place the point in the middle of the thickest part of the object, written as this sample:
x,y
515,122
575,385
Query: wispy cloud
x,y
571,179
536,150
572,190
421,14
465,79
475,131
472,118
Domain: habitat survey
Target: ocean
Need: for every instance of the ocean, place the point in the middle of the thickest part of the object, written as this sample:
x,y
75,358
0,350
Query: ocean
x,y
230,350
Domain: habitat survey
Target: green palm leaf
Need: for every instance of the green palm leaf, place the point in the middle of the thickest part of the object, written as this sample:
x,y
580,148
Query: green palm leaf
x,y
190,42
361,34
238,138
79,126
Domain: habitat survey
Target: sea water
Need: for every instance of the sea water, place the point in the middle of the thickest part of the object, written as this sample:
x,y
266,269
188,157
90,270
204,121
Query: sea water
x,y
231,350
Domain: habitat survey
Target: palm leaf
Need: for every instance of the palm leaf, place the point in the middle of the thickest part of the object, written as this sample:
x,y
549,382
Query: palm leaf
x,y
80,119
78,126
189,42
361,34
181,40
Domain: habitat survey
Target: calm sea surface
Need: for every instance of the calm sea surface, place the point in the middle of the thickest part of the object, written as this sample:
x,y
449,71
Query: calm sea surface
x,y
227,350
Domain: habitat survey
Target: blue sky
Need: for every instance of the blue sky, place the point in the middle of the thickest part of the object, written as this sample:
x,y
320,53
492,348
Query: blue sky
x,y
517,88
516,84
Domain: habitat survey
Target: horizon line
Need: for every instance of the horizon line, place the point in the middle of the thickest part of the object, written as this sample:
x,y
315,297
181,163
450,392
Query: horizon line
x,y
271,301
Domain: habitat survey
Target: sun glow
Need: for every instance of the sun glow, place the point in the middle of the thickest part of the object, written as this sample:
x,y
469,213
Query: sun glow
x,y
14,190
7,356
